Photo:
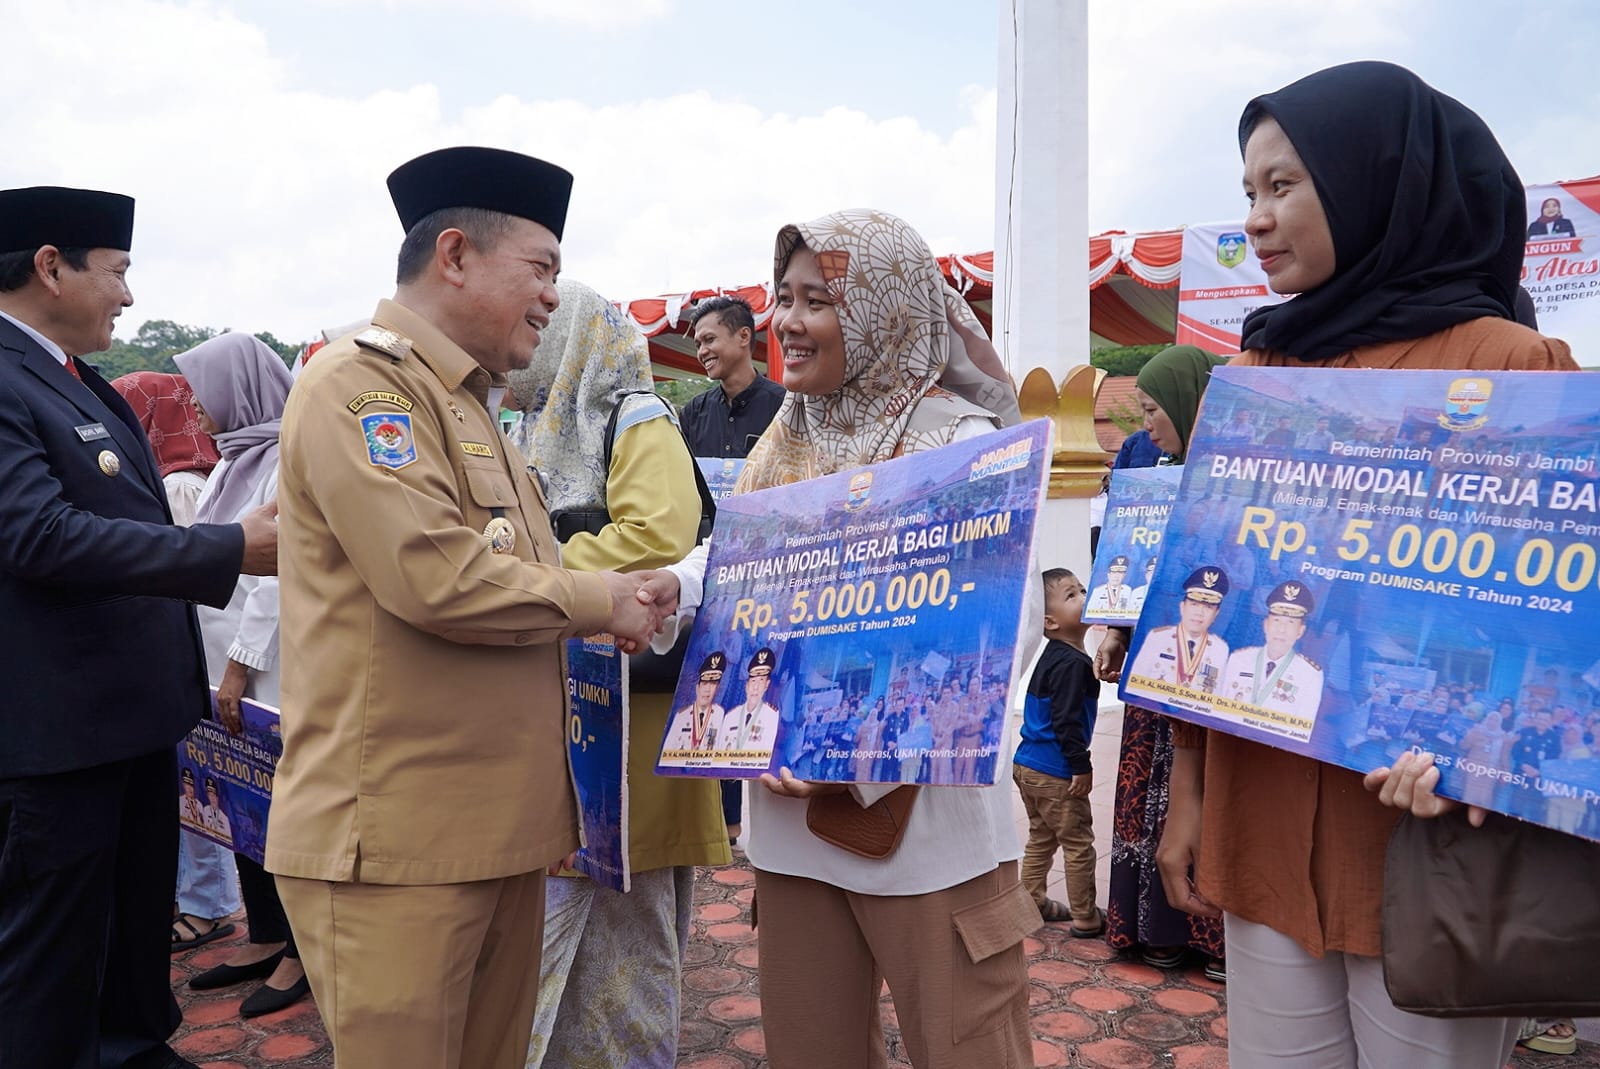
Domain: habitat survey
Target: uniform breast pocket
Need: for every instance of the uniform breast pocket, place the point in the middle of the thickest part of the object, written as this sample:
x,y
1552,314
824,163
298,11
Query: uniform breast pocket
x,y
490,488
493,492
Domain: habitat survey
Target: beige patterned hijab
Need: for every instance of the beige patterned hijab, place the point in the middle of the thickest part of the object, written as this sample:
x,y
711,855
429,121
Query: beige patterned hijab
x,y
916,359
588,359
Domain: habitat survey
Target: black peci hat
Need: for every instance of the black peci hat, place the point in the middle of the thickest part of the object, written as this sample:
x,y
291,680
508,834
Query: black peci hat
x,y
66,218
488,178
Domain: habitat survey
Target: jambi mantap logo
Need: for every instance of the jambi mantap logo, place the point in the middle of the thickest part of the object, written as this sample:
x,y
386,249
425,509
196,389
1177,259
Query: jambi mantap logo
x,y
1465,401
1230,249
860,491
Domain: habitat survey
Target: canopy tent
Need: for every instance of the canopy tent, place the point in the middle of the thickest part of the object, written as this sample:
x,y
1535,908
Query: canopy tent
x,y
1129,303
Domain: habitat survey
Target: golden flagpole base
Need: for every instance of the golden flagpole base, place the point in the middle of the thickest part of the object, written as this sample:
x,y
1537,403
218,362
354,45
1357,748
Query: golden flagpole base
x,y
1078,463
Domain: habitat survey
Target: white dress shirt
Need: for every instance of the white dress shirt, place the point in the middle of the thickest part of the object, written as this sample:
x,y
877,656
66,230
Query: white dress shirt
x,y
49,346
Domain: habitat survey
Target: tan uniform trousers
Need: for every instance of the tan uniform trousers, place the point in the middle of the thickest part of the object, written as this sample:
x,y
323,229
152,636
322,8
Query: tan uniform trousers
x,y
430,977
825,954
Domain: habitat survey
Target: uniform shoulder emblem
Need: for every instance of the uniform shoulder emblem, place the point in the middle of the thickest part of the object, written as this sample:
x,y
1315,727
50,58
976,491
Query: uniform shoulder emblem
x,y
1312,663
388,439
390,343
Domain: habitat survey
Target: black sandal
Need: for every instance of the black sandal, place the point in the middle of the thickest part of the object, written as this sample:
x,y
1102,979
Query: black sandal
x,y
195,938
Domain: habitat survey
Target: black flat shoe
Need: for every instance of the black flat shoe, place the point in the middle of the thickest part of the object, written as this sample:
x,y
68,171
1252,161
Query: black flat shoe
x,y
266,999
228,975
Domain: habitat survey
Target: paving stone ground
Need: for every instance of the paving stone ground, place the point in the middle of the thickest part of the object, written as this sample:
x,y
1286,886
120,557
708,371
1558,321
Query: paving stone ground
x,y
1091,1008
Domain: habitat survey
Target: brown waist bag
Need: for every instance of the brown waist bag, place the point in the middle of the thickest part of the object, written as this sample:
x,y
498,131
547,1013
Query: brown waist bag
x,y
873,831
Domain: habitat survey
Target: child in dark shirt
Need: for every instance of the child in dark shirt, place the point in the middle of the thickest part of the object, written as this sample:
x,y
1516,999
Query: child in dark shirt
x,y
1052,769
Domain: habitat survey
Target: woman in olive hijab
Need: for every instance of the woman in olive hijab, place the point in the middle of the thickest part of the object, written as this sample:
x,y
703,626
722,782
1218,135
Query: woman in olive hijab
x,y
1137,912
1169,391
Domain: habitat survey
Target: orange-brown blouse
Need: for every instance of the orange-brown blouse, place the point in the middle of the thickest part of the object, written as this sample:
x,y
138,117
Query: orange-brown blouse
x,y
1293,843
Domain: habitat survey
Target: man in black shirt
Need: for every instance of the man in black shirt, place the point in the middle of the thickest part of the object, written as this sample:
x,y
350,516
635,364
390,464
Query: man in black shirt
x,y
1535,744
726,421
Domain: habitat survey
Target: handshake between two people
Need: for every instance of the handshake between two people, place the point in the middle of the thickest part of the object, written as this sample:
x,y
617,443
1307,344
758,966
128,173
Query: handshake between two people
x,y
641,602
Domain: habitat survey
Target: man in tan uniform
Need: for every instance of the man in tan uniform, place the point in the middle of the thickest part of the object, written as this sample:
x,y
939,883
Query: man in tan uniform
x,y
421,793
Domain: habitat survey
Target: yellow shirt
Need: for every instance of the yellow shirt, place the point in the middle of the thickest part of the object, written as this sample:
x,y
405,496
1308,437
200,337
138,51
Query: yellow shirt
x,y
651,495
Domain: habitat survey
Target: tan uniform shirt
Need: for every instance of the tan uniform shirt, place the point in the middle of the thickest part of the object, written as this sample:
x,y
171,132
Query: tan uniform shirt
x,y
424,696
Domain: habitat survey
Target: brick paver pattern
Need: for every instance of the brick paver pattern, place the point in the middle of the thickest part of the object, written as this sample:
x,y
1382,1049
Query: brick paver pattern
x,y
1091,1007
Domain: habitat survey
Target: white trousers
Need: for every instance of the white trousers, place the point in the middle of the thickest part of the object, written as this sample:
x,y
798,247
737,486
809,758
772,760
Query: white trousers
x,y
1287,1008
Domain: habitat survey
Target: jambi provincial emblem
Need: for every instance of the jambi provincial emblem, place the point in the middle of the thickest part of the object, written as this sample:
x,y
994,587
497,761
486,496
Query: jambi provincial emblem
x,y
1466,402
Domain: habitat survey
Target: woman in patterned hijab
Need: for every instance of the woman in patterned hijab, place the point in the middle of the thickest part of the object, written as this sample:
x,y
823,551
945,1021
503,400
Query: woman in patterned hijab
x,y
880,359
161,401
905,362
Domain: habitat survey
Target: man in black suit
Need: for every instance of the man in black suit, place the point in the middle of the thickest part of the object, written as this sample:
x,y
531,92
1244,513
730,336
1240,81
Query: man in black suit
x,y
103,665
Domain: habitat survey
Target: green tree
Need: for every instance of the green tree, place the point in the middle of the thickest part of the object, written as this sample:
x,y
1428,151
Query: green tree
x,y
286,350
158,340
151,348
163,337
681,391
1124,359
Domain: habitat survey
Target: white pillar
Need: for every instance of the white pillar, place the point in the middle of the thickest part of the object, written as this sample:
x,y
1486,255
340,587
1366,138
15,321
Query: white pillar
x,y
1041,259
1041,251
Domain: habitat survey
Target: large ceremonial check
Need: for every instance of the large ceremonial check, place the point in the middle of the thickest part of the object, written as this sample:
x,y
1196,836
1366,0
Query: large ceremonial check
x,y
1364,562
861,627
597,747
225,780
1137,509
720,474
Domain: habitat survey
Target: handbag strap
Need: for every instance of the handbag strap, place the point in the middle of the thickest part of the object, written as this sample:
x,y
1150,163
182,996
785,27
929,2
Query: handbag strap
x,y
708,504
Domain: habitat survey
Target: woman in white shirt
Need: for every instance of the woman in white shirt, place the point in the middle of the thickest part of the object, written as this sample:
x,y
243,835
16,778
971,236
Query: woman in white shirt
x,y
880,359
240,387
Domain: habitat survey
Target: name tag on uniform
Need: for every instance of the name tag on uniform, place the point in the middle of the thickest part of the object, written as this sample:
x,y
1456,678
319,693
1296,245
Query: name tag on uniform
x,y
92,432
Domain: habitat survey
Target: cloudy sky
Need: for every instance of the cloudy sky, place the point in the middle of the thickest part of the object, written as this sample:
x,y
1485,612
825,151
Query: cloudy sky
x,y
256,134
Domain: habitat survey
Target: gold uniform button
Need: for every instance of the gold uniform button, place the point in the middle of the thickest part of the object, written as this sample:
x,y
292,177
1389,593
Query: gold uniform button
x,y
109,462
501,535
